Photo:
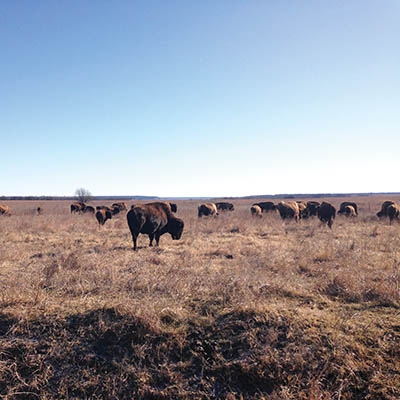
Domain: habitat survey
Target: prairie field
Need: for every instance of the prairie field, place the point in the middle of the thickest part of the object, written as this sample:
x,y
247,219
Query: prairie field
x,y
238,308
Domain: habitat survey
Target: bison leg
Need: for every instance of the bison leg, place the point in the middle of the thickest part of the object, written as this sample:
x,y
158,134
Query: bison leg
x,y
151,237
134,238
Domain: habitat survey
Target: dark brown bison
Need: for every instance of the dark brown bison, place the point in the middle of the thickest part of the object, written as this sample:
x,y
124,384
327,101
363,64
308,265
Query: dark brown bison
x,y
103,208
393,212
327,213
266,206
342,208
288,209
224,206
77,207
115,210
349,211
153,219
121,206
4,209
174,207
302,208
384,207
89,209
207,209
256,210
103,215
311,209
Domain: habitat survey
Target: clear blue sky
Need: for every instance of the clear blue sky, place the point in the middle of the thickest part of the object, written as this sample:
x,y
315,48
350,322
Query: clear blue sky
x,y
199,98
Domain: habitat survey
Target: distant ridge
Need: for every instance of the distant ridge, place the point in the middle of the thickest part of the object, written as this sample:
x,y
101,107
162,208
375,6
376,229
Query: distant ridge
x,y
259,196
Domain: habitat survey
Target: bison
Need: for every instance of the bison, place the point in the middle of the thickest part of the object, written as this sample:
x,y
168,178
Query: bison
x,y
224,206
207,209
4,209
174,207
311,209
89,209
288,209
256,210
77,207
302,208
121,206
392,212
342,208
349,211
327,213
384,207
153,219
266,206
103,215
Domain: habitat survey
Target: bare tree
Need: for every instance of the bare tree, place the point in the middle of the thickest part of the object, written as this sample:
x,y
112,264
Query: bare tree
x,y
83,195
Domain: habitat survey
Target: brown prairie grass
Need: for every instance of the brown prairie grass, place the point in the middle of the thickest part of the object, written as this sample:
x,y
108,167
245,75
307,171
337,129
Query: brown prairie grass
x,y
239,308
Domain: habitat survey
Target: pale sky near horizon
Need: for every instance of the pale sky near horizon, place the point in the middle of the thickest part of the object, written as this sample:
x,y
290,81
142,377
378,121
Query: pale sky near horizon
x,y
199,98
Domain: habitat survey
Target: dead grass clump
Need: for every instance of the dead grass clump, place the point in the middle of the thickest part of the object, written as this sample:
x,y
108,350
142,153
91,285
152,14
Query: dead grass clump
x,y
243,352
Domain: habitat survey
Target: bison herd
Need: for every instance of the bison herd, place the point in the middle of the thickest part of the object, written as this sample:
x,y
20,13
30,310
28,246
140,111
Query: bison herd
x,y
155,219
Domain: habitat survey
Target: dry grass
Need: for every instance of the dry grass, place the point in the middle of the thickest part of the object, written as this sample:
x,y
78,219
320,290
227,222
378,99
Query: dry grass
x,y
239,308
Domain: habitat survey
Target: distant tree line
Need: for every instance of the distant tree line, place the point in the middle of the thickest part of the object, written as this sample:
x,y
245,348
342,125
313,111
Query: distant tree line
x,y
94,198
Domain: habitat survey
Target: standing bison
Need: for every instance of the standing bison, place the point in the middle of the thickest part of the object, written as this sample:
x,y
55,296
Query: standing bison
x,y
393,211
349,211
224,206
342,208
153,219
4,209
77,207
103,215
121,206
326,213
207,209
266,206
256,211
311,209
289,209
384,207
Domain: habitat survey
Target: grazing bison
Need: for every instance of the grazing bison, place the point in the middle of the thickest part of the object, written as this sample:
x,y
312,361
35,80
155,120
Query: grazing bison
x,y
311,209
89,209
103,208
342,208
153,219
224,206
166,206
349,211
288,209
327,213
115,210
256,210
78,207
4,210
103,215
120,206
302,208
393,212
384,207
207,209
266,206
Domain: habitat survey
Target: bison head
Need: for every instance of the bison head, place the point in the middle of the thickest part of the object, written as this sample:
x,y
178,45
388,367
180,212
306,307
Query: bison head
x,y
175,228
